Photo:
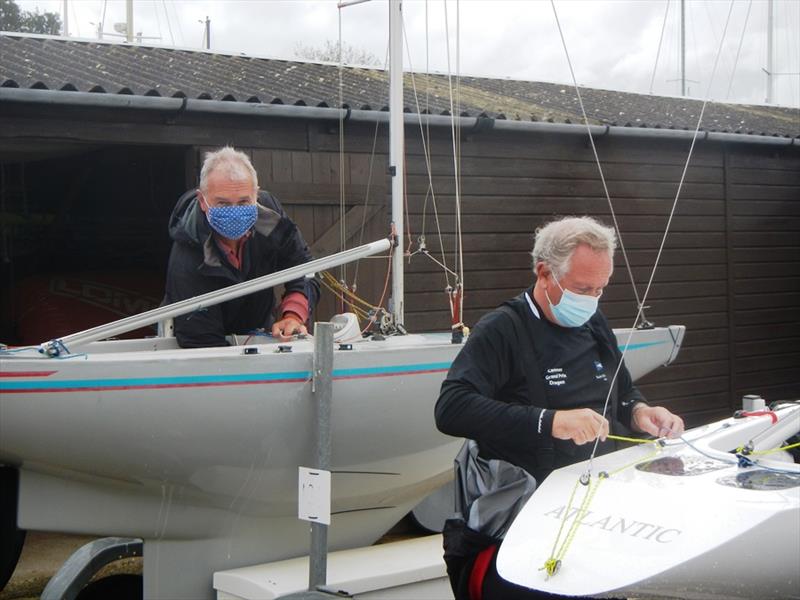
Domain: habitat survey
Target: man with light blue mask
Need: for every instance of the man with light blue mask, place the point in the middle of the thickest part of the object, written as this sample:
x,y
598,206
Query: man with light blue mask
x,y
226,232
530,384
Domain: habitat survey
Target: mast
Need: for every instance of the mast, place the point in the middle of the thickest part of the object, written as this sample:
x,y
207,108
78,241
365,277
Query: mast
x,y
129,21
683,47
396,147
770,46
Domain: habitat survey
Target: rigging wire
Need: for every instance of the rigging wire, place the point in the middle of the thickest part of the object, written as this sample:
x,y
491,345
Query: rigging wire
x,y
429,191
739,49
426,153
158,24
342,206
696,52
370,169
369,180
639,302
674,204
75,18
178,23
456,163
671,213
103,17
660,40
169,25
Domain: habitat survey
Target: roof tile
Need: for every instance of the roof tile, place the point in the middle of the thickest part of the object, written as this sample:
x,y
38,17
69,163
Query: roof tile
x,y
44,62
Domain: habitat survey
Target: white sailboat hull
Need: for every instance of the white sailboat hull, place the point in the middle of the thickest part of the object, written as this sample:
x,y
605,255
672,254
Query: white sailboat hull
x,y
201,447
681,528
182,446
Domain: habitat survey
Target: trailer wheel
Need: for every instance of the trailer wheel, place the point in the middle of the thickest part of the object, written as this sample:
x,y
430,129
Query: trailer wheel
x,y
124,586
11,537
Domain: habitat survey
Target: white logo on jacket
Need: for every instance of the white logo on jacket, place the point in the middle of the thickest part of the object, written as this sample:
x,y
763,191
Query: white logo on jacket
x,y
555,377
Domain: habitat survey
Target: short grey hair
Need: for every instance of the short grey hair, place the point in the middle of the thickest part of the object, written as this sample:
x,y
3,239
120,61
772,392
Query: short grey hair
x,y
227,161
556,241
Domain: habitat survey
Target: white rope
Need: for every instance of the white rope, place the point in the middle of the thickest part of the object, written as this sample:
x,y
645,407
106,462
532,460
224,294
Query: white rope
x,y
342,205
166,18
739,50
426,152
369,179
672,211
460,252
639,302
658,52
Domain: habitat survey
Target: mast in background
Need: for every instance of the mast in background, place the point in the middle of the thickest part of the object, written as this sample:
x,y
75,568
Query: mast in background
x,y
770,47
683,47
208,33
129,21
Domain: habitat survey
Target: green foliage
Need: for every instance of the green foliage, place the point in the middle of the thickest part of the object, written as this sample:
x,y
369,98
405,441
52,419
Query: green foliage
x,y
13,19
9,15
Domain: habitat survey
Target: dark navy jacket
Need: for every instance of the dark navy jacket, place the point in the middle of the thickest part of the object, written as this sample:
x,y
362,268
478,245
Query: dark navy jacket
x,y
494,392
196,266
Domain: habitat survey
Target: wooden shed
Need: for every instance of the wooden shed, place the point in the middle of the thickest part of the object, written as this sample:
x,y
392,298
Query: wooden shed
x,y
98,140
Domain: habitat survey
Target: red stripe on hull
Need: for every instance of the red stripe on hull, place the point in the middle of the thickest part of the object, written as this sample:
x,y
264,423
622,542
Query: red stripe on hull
x,y
27,373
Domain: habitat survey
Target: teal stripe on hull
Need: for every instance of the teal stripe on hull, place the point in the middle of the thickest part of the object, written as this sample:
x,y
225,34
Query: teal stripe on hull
x,y
195,380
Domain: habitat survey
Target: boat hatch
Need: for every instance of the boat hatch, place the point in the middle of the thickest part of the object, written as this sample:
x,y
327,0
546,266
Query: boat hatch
x,y
762,480
680,466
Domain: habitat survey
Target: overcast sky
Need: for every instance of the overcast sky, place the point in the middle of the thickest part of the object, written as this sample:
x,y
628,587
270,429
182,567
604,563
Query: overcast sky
x,y
612,44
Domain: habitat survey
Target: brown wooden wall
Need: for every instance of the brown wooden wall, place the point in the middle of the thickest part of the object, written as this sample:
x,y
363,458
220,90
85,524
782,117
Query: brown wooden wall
x,y
729,271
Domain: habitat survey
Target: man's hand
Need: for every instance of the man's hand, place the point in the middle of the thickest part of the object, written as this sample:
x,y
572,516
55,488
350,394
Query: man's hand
x,y
580,425
287,327
657,421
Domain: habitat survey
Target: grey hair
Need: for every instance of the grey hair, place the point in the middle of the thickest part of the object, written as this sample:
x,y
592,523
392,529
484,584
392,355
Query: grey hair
x,y
556,241
227,161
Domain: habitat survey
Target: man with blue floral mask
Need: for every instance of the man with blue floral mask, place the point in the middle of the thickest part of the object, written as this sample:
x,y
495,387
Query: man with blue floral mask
x,y
530,384
227,232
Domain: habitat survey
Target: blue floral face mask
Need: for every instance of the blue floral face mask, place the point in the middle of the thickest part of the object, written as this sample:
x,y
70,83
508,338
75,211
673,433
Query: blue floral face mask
x,y
573,310
232,222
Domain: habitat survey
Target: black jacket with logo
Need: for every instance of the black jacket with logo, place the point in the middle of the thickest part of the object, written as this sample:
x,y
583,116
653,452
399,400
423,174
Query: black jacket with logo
x,y
495,391
196,266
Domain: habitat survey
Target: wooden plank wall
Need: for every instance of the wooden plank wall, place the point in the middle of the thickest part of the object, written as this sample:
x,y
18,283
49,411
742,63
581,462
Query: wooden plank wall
x,y
728,270
513,183
764,261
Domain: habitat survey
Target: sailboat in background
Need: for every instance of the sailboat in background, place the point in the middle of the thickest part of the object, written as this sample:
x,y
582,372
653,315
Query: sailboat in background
x,y
196,450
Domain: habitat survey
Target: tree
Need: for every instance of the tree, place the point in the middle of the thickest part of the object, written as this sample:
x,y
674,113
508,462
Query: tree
x,y
13,19
9,15
330,53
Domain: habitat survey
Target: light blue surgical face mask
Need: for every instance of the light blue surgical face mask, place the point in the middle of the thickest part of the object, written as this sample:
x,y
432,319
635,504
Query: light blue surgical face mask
x,y
573,310
232,222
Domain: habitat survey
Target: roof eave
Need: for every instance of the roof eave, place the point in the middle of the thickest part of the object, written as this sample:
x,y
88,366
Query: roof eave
x,y
253,109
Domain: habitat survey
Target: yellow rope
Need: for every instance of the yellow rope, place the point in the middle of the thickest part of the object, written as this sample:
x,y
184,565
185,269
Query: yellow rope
x,y
335,291
333,284
552,564
620,438
771,450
